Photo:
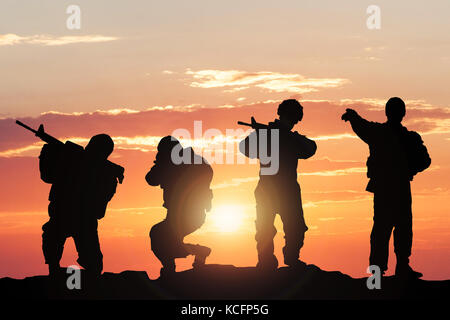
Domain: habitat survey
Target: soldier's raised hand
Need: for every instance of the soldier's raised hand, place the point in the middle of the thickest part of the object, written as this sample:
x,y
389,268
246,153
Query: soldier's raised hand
x,y
349,114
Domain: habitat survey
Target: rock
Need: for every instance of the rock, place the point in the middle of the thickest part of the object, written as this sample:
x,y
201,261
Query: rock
x,y
224,282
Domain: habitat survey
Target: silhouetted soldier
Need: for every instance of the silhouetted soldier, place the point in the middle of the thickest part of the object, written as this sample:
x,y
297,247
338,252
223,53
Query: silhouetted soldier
x,y
187,195
396,155
81,188
280,192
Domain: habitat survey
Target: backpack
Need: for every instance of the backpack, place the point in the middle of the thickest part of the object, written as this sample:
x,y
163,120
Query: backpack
x,y
416,152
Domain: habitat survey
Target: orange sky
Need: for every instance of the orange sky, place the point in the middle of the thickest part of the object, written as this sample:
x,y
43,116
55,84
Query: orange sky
x,y
155,74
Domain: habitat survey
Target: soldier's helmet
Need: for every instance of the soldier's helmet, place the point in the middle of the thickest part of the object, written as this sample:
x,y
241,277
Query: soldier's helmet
x,y
167,143
291,108
395,109
101,145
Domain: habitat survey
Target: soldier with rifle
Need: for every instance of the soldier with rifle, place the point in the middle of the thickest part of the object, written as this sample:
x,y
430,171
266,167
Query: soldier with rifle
x,y
83,182
280,192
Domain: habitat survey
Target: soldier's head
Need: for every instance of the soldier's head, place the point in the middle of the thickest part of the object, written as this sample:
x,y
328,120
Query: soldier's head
x,y
290,112
166,145
100,146
395,110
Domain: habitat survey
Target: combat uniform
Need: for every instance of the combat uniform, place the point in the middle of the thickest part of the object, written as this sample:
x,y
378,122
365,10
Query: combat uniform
x,y
280,193
81,189
187,195
390,168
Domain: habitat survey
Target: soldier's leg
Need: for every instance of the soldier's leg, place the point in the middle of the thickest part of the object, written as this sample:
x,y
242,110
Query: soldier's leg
x,y
200,253
86,240
161,243
381,231
265,232
403,233
403,236
53,239
403,241
194,219
294,227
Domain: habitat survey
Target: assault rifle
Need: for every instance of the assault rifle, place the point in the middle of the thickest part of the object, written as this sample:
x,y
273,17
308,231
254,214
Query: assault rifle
x,y
115,169
255,125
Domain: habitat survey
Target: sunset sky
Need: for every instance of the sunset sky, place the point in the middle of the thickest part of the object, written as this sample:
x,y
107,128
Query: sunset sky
x,y
138,72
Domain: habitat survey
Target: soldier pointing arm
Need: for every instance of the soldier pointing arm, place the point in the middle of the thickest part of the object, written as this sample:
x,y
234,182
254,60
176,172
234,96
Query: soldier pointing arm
x,y
396,155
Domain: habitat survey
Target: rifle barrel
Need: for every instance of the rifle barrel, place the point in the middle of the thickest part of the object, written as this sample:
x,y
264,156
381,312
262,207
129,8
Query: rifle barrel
x,y
25,126
245,124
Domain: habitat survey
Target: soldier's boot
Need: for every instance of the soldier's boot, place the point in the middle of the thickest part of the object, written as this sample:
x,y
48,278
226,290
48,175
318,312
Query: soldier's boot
x,y
267,262
405,271
264,245
291,258
201,253
296,264
55,271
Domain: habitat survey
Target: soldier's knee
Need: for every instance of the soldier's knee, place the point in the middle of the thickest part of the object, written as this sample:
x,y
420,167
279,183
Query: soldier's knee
x,y
265,233
49,231
47,227
297,237
157,232
156,238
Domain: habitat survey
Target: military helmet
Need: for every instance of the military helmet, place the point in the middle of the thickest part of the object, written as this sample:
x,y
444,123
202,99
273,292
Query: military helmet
x,y
101,145
291,108
167,143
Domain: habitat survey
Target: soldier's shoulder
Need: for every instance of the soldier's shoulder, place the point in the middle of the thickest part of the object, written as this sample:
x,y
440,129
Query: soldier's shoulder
x,y
413,135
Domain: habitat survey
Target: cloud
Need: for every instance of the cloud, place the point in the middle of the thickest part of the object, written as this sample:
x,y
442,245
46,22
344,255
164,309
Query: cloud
x,y
337,172
272,81
331,219
335,137
27,151
50,40
315,204
235,182
140,129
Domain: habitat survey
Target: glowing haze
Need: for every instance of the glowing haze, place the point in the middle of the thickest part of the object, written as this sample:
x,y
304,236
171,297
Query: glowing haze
x,y
140,72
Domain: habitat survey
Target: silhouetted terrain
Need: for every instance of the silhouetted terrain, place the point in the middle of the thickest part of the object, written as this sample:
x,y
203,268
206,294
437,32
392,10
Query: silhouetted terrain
x,y
226,282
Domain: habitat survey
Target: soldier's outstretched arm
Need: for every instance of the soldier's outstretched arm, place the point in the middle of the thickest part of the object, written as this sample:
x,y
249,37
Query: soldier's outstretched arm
x,y
363,128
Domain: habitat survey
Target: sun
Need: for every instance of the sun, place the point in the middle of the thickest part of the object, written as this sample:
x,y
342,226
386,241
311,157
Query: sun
x,y
227,218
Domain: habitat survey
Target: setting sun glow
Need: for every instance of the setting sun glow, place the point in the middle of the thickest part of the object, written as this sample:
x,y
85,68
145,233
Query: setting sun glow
x,y
227,218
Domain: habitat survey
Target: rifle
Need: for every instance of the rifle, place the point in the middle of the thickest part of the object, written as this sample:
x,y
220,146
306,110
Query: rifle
x,y
255,125
117,170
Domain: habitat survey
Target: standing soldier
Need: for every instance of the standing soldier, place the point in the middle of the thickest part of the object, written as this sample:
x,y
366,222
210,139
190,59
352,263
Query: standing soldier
x,y
280,192
82,186
187,195
396,155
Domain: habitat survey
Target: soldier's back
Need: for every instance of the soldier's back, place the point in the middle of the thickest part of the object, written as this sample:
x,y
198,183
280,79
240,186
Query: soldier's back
x,y
387,162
